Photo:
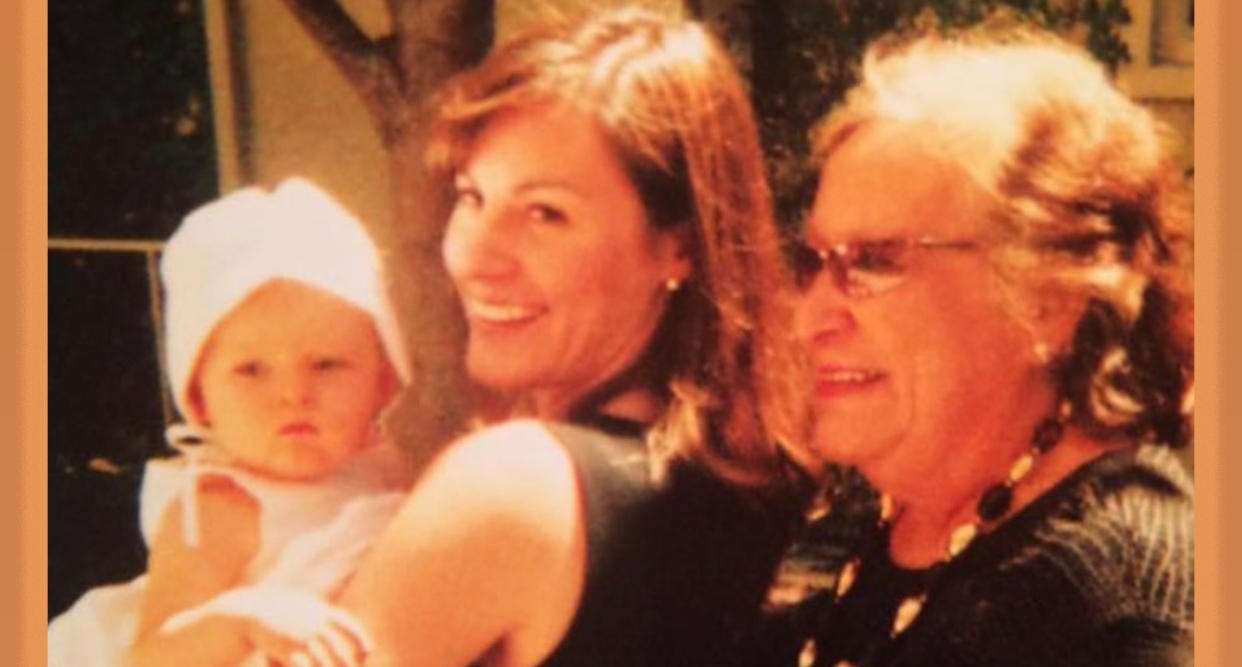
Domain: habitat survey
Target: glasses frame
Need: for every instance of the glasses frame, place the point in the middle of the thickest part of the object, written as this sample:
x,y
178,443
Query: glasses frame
x,y
842,261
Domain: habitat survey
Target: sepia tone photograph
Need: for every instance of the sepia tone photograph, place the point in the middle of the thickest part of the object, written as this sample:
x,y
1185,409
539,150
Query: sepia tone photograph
x,y
670,332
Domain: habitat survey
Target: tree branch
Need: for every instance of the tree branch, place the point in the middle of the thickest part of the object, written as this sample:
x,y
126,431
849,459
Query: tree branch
x,y
438,37
366,65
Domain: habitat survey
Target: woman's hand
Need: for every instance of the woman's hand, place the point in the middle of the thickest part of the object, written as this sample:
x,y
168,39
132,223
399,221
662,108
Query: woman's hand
x,y
289,627
282,627
216,642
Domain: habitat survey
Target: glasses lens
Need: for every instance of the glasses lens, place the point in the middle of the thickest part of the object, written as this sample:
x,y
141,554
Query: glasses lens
x,y
860,269
874,266
807,263
879,258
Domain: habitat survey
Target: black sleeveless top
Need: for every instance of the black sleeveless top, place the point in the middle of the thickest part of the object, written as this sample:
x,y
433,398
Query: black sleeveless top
x,y
676,567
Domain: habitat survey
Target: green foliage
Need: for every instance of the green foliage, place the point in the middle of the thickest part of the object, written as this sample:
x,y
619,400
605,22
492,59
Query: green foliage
x,y
802,55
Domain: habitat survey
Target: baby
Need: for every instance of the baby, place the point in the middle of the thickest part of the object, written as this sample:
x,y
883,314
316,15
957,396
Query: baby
x,y
282,351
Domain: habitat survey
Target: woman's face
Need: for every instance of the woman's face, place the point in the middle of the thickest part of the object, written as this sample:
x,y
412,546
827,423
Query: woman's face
x,y
561,276
911,373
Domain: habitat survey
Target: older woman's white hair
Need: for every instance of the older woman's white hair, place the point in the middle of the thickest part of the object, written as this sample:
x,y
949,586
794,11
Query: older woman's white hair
x,y
1087,200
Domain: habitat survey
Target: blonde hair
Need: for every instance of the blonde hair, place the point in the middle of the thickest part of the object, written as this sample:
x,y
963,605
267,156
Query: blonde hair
x,y
674,107
1087,200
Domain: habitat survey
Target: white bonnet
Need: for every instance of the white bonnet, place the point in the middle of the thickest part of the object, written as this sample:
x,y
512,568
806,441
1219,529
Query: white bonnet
x,y
228,248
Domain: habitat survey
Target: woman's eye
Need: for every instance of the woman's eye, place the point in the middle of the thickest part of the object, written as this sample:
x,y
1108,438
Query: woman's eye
x,y
807,263
545,213
877,259
467,196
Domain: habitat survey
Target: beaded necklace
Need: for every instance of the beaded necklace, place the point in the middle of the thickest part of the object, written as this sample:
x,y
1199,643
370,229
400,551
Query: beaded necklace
x,y
993,505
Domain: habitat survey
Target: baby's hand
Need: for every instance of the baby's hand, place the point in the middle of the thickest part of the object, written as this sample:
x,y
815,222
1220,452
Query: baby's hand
x,y
227,532
289,627
228,523
181,576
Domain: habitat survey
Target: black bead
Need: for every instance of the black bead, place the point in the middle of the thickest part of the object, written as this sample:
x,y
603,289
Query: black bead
x,y
1046,435
995,502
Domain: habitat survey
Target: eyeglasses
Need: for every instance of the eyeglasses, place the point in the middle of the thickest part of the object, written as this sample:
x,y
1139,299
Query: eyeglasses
x,y
867,267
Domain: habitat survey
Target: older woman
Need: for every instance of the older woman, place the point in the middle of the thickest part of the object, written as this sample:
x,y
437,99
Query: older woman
x,y
611,239
996,310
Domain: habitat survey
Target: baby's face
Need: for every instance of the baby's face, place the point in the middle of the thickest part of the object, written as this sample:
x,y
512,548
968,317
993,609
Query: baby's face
x,y
292,380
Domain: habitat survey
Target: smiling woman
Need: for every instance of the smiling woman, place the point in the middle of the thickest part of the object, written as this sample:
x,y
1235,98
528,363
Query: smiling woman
x,y
608,175
874,389
562,278
613,247
996,305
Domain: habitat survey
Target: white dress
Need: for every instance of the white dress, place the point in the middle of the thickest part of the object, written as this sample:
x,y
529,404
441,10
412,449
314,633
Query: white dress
x,y
312,535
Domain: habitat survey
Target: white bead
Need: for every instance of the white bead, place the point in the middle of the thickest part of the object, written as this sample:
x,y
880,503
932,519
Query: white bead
x,y
1021,468
961,537
846,579
907,611
806,657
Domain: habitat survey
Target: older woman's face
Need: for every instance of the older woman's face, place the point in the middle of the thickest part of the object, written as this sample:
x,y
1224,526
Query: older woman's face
x,y
560,274
908,372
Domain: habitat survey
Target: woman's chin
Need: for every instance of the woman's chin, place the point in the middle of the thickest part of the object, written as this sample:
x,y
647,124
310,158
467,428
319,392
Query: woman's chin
x,y
498,375
855,437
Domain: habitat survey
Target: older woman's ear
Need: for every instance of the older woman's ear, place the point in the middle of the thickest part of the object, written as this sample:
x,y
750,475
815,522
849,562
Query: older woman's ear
x,y
1057,306
1052,316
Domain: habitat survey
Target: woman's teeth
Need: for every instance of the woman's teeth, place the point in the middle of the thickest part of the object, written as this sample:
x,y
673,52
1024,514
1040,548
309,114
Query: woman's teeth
x,y
494,312
847,376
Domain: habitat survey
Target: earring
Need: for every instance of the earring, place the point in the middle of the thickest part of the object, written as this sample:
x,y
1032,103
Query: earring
x,y
672,284
1043,353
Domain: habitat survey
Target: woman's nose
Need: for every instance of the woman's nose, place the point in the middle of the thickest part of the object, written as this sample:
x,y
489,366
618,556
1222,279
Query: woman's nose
x,y
823,311
477,245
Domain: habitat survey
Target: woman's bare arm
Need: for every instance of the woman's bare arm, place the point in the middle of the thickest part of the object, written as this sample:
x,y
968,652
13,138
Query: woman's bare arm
x,y
487,556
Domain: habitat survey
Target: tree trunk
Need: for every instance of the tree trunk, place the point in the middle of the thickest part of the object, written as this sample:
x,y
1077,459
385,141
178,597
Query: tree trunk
x,y
439,398
397,77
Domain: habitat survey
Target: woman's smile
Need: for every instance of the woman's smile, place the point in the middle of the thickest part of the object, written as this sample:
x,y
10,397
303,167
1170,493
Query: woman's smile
x,y
834,381
487,316
560,274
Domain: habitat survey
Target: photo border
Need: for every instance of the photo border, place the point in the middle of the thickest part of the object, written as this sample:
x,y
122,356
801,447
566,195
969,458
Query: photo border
x,y
1216,466
26,25
25,400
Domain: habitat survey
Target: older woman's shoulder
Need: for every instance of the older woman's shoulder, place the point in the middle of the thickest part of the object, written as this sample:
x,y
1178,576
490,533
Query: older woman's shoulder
x,y
1120,507
1121,538
1146,469
1099,571
1149,503
1145,493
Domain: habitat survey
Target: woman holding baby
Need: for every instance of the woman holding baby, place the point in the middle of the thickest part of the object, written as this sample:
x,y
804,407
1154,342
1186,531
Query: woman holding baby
x,y
992,308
